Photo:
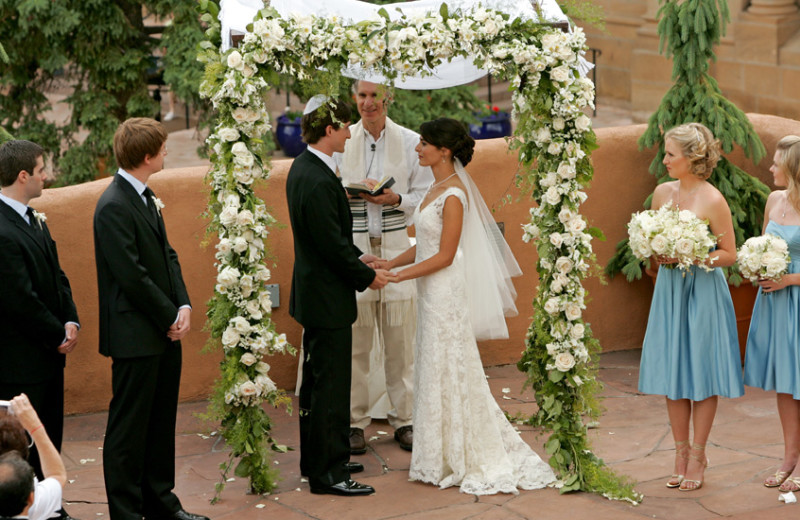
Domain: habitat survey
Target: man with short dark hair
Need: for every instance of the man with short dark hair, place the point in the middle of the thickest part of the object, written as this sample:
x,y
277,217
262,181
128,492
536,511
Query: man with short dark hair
x,y
38,318
144,313
16,486
328,270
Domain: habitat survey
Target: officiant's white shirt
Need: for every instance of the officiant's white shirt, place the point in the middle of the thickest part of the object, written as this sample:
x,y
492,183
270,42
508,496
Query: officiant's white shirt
x,y
373,165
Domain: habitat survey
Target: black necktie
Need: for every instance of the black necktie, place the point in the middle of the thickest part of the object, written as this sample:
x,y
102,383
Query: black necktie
x,y
32,220
151,204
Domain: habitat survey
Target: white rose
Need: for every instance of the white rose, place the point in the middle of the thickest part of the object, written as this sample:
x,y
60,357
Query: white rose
x,y
230,337
254,309
552,196
262,274
554,148
685,215
659,244
244,175
542,135
267,384
265,301
227,216
231,200
245,115
248,389
551,306
577,331
235,60
556,287
560,73
224,246
566,170
228,134
565,215
573,311
531,231
564,264
239,245
558,123
241,325
246,285
248,359
262,368
552,348
556,240
245,218
576,225
583,123
564,361
684,247
228,277
244,159
248,71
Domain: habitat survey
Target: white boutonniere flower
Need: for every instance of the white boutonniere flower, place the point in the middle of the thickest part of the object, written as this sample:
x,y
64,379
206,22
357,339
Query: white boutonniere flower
x,y
40,218
158,204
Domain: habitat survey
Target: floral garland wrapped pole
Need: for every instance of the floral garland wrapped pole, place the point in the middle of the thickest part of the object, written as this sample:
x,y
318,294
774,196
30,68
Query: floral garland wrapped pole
x,y
553,138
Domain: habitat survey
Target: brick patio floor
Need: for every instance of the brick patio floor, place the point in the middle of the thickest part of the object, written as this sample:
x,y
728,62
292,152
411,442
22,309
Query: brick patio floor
x,y
633,437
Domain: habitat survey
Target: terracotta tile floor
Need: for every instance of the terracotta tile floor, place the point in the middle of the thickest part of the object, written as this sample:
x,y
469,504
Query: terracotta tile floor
x,y
633,437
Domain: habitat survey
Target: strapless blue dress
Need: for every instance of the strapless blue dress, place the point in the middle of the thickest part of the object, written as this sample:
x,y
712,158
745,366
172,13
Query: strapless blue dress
x,y
691,349
772,361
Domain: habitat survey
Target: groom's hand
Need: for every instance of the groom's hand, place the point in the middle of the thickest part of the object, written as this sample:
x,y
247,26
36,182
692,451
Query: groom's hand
x,y
382,277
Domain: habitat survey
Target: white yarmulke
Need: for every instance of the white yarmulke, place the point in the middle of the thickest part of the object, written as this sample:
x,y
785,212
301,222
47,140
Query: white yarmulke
x,y
314,103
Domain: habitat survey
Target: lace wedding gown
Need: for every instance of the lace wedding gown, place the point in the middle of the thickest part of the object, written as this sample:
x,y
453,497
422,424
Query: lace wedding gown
x,y
461,436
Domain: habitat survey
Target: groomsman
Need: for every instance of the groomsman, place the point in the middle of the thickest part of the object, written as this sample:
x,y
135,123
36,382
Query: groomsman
x,y
327,273
38,320
144,313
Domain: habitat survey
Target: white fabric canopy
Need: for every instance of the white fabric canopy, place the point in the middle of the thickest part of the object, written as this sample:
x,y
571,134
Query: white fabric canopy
x,y
235,15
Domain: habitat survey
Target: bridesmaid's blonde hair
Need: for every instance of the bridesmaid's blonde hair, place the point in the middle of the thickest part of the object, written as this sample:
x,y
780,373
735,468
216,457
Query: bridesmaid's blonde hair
x,y
789,159
698,145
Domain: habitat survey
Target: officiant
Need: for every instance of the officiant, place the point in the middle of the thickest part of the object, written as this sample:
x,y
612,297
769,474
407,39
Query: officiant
x,y
385,328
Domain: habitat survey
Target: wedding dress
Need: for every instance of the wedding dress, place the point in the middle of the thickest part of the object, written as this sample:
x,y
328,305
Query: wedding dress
x,y
461,436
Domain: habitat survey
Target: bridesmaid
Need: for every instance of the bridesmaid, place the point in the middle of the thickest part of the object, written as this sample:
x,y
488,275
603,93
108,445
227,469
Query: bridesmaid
x,y
690,352
773,343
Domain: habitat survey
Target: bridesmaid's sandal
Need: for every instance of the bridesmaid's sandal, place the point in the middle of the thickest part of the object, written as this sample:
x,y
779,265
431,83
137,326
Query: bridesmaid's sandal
x,y
697,453
681,452
790,484
777,479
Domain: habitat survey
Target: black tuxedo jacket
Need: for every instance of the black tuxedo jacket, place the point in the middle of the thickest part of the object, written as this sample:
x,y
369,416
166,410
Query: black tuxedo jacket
x,y
139,278
327,271
35,301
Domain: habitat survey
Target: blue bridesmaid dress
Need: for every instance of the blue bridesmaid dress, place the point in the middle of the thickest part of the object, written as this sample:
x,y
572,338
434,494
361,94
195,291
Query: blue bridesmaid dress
x,y
691,348
772,361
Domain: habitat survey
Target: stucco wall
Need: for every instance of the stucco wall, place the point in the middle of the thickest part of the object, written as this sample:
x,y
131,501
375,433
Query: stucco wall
x,y
617,311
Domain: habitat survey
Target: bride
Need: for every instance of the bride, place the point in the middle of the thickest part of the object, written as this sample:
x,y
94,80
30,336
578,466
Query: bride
x,y
463,268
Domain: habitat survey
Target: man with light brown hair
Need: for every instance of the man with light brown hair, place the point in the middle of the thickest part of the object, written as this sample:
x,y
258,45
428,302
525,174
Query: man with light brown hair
x,y
144,313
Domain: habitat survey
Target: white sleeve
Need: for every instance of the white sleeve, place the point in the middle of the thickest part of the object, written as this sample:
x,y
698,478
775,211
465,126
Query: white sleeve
x,y
46,499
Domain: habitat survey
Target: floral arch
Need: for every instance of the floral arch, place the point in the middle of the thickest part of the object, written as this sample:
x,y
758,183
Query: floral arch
x,y
553,140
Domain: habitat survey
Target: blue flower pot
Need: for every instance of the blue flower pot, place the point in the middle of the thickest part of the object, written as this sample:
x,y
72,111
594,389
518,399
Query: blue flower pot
x,y
289,136
495,125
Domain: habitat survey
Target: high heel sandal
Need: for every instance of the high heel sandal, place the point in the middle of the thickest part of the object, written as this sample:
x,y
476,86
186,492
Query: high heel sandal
x,y
777,479
790,484
693,485
681,452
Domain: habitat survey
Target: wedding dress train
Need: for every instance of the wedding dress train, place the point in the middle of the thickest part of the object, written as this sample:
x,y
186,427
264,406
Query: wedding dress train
x,y
461,436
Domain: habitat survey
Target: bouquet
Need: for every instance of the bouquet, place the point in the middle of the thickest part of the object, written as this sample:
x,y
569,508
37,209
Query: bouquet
x,y
671,233
764,257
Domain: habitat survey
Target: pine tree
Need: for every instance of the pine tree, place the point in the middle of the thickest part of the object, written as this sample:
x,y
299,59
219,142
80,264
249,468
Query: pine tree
x,y
689,30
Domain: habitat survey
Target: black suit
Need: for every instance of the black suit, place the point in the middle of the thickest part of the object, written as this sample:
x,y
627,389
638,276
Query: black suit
x,y
35,304
141,289
327,274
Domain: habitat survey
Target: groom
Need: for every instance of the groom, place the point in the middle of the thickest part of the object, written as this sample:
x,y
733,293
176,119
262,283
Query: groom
x,y
328,270
144,313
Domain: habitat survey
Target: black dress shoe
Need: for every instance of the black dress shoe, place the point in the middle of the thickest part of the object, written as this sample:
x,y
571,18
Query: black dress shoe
x,y
346,488
354,467
185,515
63,515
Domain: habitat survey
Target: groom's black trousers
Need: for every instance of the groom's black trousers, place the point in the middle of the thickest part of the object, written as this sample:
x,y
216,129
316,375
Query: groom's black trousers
x,y
325,405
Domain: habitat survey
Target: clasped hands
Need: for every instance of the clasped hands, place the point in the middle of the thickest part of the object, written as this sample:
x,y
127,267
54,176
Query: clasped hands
x,y
382,275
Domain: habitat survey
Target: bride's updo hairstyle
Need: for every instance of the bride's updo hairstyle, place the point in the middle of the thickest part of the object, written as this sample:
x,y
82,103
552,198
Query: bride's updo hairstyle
x,y
698,145
451,134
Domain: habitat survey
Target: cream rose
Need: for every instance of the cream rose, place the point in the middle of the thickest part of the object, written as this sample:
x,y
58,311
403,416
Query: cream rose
x,y
228,277
564,264
684,246
228,134
254,309
241,325
564,361
551,306
573,311
239,245
228,215
245,218
235,60
248,359
556,240
583,123
248,389
577,331
230,337
552,196
659,244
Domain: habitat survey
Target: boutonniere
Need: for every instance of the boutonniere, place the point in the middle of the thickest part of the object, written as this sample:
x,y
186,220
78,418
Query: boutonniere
x,y
40,218
158,204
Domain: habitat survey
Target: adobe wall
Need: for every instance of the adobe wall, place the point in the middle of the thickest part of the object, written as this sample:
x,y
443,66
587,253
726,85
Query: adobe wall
x,y
758,65
617,311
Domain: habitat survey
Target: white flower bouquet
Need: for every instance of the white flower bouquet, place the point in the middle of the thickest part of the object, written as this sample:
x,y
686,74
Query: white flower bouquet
x,y
671,233
764,257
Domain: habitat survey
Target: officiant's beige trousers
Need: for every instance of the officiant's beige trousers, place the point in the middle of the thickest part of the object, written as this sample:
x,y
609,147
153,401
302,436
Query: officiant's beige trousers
x,y
398,366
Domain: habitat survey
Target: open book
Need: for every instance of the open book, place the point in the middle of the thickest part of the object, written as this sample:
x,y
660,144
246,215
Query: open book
x,y
356,187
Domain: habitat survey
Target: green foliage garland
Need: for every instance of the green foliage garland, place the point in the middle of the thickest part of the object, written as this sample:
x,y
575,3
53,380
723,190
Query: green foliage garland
x,y
553,138
689,30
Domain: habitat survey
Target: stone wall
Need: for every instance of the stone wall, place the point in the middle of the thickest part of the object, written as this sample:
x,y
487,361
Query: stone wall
x,y
758,65
617,310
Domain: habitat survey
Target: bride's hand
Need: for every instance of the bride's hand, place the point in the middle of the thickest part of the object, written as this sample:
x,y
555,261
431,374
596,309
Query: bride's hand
x,y
379,263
